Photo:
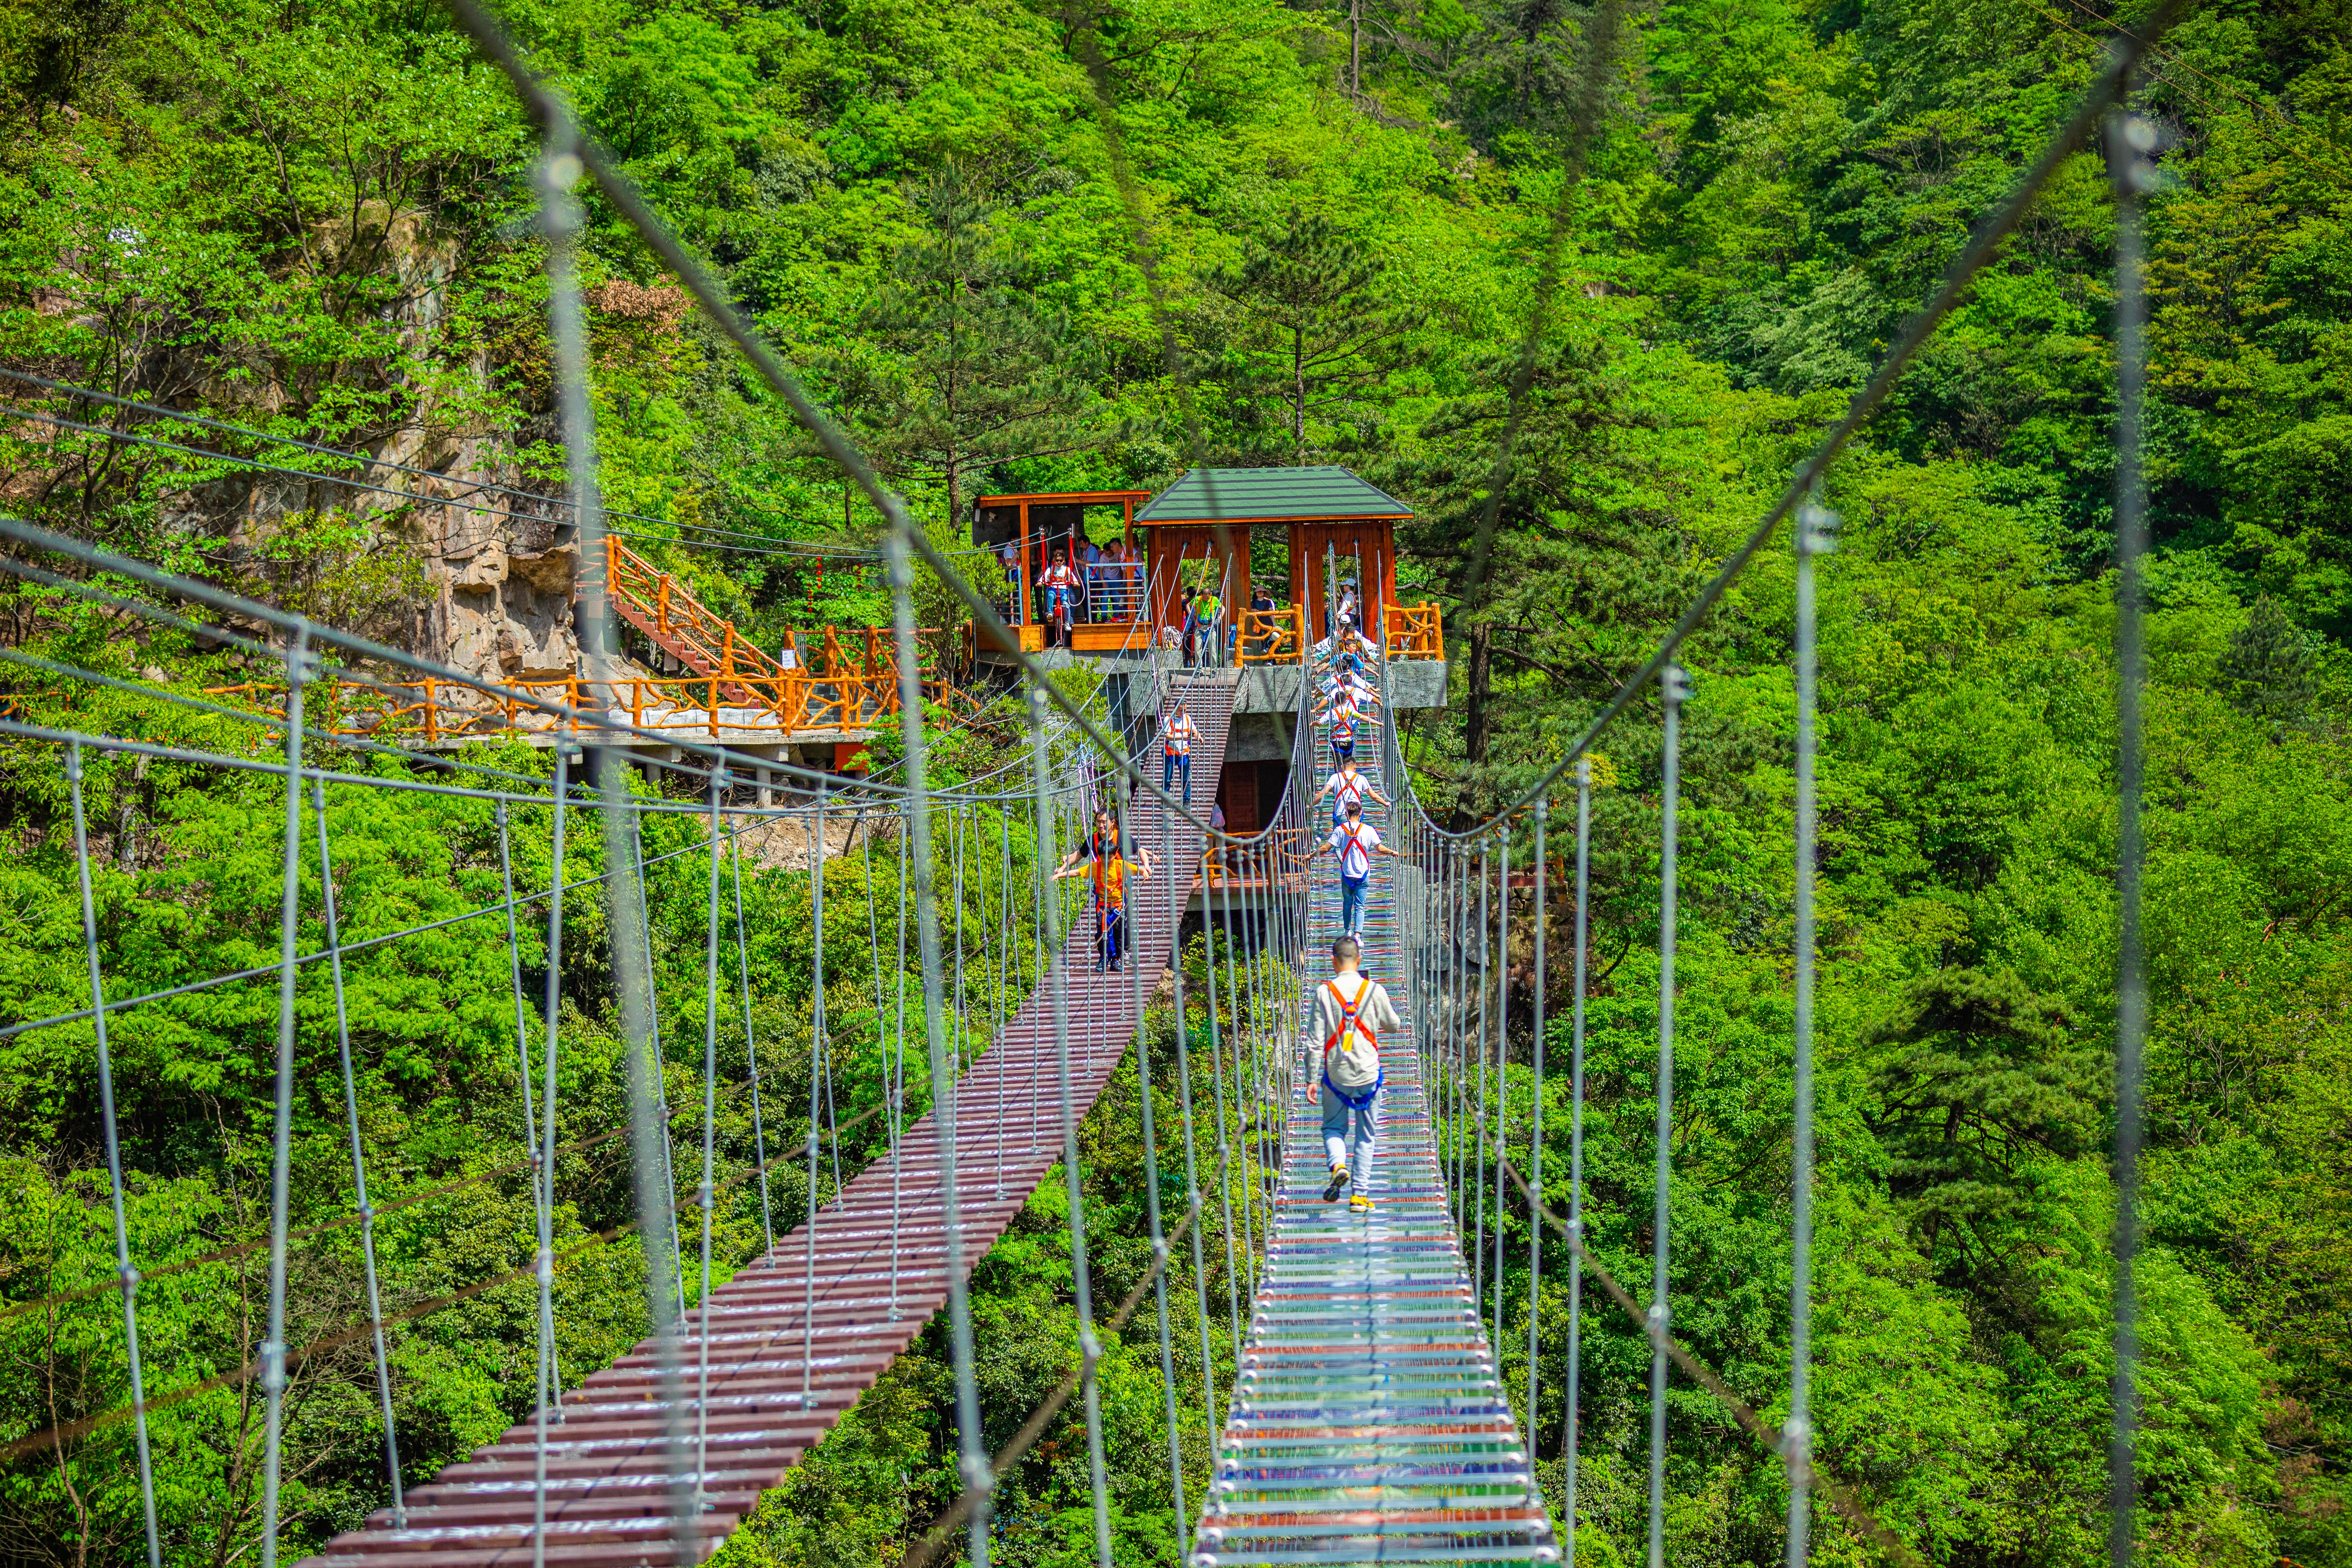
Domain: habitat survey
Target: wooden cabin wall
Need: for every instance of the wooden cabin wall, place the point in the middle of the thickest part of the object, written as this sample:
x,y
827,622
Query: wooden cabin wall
x,y
1374,541
1173,543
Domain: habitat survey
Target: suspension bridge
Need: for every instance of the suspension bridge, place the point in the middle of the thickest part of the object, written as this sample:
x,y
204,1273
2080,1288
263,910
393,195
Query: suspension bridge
x,y
1359,1409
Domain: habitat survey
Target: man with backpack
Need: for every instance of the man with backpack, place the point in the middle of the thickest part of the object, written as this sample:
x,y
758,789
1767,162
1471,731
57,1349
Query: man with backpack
x,y
1355,841
1351,1012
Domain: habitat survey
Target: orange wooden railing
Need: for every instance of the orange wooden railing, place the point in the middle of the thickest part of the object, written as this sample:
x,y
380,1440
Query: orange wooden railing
x,y
1272,636
657,605
1414,631
711,707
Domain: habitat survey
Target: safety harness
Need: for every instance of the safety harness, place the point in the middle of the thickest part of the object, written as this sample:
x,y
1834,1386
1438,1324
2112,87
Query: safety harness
x,y
1353,833
1348,1024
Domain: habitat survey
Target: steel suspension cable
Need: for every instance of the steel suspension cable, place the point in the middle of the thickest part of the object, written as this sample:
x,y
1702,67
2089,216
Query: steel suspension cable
x,y
1120,827
2130,140
636,847
549,1381
1673,689
273,1349
820,1073
1570,1426
1536,1131
750,1041
1502,1067
359,1159
126,1277
975,1465
719,782
1815,536
1192,1194
1082,1287
514,968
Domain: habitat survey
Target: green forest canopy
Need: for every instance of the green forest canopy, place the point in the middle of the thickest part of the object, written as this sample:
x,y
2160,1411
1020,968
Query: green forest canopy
x,y
312,217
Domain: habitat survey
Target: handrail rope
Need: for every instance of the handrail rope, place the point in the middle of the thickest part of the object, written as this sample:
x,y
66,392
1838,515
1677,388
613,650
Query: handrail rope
x,y
1770,1438
440,1190
455,1184
68,1431
872,783
119,1004
601,726
477,487
2110,89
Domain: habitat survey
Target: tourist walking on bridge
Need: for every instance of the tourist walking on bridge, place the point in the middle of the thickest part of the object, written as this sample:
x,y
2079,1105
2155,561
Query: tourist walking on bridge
x,y
1351,1011
1348,788
1355,841
1111,865
1342,716
1176,734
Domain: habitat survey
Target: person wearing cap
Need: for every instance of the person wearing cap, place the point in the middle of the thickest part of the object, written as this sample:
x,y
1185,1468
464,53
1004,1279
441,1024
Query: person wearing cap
x,y
1351,1011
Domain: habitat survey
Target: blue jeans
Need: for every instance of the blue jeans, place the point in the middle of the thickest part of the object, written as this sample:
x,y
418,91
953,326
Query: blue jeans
x,y
1170,767
1340,1119
1351,901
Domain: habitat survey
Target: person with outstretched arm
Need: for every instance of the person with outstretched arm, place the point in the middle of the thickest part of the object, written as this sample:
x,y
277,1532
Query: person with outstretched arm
x,y
1351,1012
1348,788
1355,841
1111,867
1342,716
1176,734
1105,839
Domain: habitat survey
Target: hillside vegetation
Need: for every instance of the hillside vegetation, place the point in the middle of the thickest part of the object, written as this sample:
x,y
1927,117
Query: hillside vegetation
x,y
314,218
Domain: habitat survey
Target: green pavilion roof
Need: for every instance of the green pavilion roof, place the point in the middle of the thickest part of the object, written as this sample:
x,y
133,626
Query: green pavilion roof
x,y
1271,495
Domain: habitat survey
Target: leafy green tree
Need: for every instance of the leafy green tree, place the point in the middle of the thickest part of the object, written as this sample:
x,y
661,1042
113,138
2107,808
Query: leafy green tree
x,y
2267,670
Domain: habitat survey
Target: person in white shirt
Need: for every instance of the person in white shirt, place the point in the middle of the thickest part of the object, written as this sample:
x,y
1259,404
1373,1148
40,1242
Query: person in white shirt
x,y
1058,580
1176,734
1348,788
1351,1011
1342,716
1355,841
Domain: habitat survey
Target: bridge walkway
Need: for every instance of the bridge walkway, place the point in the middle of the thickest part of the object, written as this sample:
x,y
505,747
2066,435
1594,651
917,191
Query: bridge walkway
x,y
1370,1423
609,1480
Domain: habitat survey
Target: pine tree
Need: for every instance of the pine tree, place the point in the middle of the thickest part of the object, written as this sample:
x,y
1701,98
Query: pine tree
x,y
958,367
1314,334
2266,670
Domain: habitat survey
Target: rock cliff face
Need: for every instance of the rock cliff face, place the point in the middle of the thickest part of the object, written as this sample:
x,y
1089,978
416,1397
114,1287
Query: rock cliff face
x,y
504,603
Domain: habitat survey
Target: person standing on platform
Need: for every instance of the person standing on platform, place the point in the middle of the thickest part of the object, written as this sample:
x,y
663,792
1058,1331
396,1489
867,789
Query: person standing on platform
x,y
1352,1011
1177,731
1355,841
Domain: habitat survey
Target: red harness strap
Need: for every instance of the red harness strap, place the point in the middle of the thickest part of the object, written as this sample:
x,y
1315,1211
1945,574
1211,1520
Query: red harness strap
x,y
1354,835
1348,1015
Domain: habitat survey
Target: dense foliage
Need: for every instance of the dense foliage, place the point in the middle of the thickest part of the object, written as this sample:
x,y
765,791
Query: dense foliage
x,y
314,218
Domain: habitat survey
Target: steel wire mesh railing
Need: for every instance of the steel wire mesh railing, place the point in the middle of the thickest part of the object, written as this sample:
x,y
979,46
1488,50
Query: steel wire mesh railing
x,y
1449,949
